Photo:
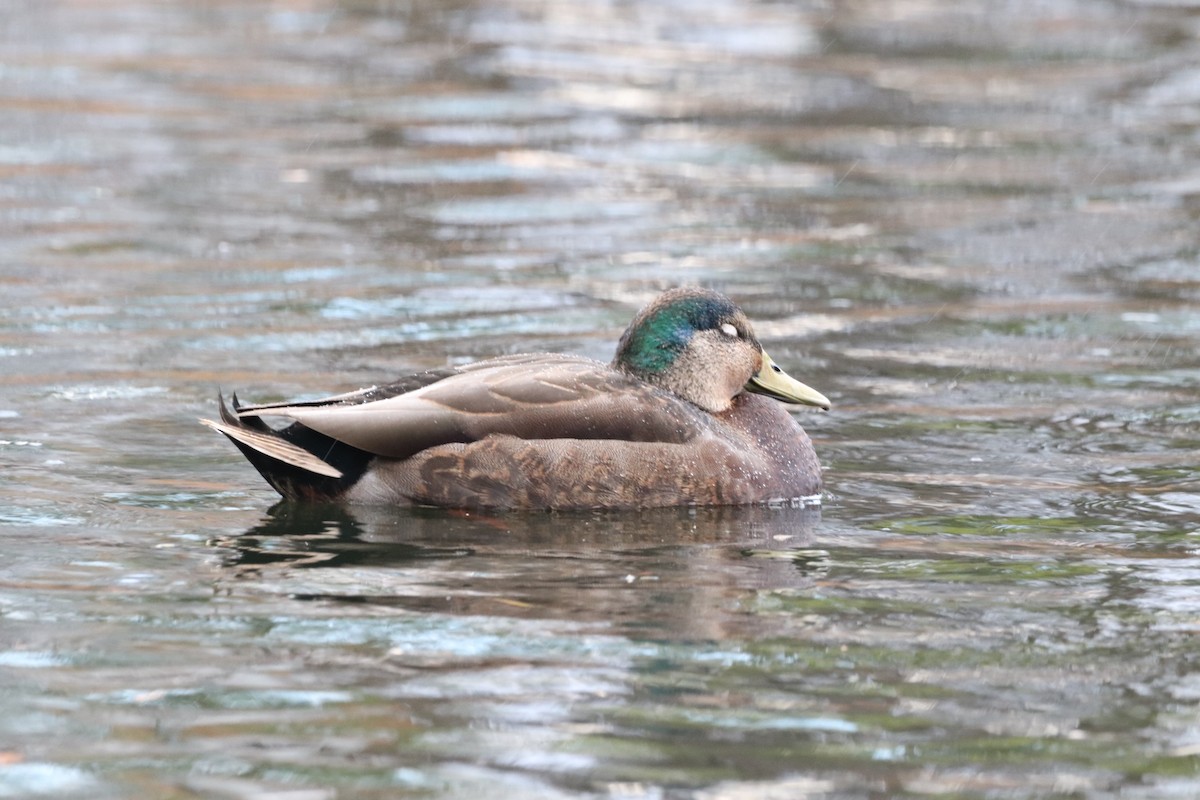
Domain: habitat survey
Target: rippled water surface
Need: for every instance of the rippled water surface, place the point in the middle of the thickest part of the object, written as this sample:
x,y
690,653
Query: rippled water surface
x,y
975,226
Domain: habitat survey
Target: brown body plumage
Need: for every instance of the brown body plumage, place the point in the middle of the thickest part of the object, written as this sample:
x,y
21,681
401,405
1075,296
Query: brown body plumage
x,y
675,420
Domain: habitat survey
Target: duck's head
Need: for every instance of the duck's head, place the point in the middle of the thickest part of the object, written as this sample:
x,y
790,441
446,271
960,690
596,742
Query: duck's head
x,y
699,345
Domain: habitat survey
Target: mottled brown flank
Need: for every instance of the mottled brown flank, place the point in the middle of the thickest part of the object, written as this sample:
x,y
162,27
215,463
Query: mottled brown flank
x,y
757,453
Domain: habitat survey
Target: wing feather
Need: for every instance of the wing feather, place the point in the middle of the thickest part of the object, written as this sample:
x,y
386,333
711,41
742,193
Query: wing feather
x,y
530,397
275,447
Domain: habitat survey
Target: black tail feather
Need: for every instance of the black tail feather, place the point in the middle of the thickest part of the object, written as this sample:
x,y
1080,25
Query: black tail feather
x,y
291,481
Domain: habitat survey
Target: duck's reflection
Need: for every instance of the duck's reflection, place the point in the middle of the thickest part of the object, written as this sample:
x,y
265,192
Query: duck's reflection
x,y
689,572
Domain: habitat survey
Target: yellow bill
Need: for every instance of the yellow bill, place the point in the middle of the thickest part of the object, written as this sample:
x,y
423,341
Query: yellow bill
x,y
772,381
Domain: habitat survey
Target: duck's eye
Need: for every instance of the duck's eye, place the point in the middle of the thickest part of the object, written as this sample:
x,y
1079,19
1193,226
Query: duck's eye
x,y
729,330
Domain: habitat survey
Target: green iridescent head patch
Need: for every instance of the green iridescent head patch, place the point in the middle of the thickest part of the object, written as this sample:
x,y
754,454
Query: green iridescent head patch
x,y
652,345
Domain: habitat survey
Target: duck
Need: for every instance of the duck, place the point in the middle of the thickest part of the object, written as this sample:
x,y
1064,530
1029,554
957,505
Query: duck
x,y
689,412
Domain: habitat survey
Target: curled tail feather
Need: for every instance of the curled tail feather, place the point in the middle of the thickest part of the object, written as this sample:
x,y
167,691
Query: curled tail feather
x,y
300,463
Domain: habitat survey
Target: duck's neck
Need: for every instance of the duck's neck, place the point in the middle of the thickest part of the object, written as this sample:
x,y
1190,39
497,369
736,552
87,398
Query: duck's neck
x,y
693,382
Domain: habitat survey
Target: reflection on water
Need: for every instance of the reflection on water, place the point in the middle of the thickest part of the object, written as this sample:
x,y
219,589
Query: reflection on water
x,y
972,225
566,566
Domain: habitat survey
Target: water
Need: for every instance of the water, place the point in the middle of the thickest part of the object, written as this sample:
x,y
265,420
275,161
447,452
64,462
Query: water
x,y
973,226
